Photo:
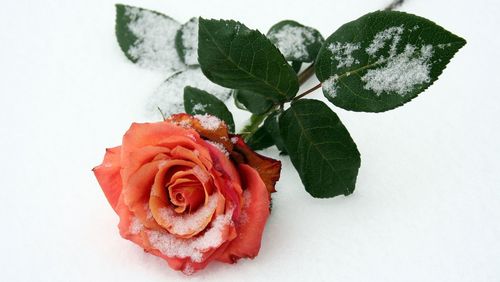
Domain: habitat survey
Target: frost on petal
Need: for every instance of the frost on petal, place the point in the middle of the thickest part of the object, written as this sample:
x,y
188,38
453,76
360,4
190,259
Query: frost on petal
x,y
193,248
190,224
219,147
208,122
250,226
208,126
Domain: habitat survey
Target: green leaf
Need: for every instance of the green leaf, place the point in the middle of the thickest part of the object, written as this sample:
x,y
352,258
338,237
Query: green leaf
x,y
295,41
253,102
261,139
186,42
271,124
234,56
296,65
197,101
147,38
383,60
169,96
250,128
267,135
237,103
320,148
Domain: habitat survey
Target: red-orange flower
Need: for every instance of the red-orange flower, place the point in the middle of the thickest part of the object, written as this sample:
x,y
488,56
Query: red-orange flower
x,y
187,191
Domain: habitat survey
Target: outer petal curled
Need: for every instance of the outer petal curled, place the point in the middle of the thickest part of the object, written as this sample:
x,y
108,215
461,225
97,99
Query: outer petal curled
x,y
268,169
108,175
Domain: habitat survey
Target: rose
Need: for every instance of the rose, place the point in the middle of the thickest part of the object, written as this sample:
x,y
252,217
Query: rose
x,y
187,191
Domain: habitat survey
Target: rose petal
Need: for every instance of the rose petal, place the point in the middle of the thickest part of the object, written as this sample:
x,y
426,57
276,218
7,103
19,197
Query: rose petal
x,y
198,173
166,169
200,158
108,175
164,135
253,219
186,192
186,265
141,156
140,135
268,169
189,224
218,135
227,179
137,190
222,163
192,254
131,228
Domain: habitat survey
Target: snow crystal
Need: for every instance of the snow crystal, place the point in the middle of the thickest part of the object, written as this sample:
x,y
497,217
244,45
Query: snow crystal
x,y
183,224
342,53
208,122
200,173
444,45
149,214
155,46
234,140
184,123
330,86
292,40
135,226
188,269
237,28
219,146
199,107
192,248
190,42
378,42
169,97
247,198
402,72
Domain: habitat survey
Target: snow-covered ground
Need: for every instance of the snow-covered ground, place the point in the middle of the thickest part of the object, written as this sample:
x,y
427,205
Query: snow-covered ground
x,y
427,203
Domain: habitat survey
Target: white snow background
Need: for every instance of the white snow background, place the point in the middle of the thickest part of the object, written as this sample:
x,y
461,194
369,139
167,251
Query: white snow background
x,y
427,202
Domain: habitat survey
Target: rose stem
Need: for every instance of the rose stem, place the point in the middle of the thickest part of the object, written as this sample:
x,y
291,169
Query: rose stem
x,y
307,92
394,4
306,74
252,126
162,114
256,120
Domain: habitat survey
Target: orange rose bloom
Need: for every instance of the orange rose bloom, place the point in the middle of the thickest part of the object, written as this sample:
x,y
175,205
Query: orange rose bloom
x,y
187,191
